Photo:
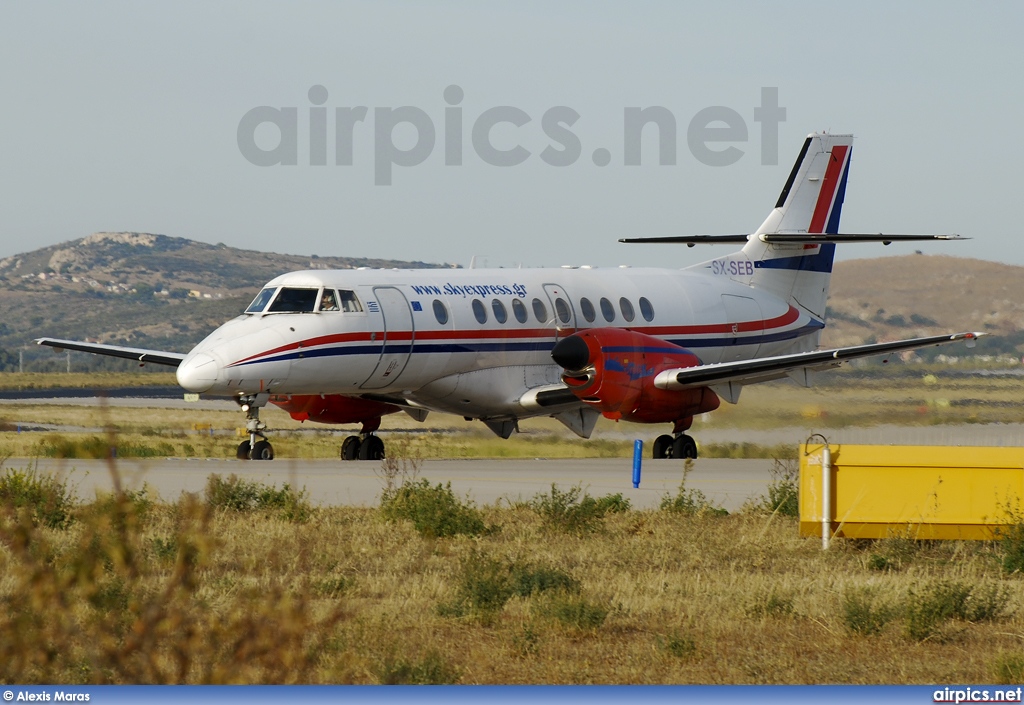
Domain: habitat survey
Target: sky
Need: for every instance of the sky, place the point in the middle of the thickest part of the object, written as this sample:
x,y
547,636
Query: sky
x,y
163,117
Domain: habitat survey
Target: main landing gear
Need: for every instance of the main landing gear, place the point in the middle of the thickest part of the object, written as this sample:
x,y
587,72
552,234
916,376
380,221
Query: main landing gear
x,y
362,447
681,446
254,449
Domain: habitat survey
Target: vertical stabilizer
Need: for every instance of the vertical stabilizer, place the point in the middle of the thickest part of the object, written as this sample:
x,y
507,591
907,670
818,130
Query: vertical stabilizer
x,y
810,202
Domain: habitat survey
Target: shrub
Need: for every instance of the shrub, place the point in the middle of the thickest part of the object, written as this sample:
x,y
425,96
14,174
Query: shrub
x,y
46,499
930,606
864,612
571,513
1009,668
435,511
236,494
689,501
784,491
678,645
771,603
485,584
572,611
431,669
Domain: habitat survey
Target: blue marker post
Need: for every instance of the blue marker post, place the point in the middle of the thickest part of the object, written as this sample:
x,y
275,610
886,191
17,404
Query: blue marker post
x,y
638,454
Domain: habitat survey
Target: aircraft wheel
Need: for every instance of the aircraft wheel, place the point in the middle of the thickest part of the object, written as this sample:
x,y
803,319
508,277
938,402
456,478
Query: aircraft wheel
x,y
662,447
243,450
684,447
263,451
350,448
372,448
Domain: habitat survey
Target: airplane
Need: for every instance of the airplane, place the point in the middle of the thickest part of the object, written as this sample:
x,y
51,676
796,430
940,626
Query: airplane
x,y
649,345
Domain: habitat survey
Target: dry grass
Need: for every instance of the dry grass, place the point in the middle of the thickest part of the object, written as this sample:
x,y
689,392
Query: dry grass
x,y
132,591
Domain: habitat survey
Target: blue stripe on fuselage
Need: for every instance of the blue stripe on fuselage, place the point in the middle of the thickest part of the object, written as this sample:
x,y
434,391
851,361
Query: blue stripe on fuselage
x,y
534,346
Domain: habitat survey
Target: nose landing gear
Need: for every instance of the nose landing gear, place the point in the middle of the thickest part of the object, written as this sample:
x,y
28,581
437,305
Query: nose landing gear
x,y
254,449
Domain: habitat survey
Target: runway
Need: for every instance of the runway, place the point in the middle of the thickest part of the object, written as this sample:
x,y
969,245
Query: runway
x,y
727,483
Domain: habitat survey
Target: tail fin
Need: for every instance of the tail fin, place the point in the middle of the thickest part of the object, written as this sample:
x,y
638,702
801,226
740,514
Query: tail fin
x,y
810,203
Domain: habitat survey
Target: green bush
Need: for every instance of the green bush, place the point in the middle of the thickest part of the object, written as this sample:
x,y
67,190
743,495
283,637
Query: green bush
x,y
485,584
864,612
1009,668
46,499
1011,540
431,669
572,513
572,611
928,607
689,502
784,491
238,495
435,511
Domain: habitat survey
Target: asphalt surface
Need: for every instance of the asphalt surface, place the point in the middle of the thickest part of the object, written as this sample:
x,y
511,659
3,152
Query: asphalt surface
x,y
728,483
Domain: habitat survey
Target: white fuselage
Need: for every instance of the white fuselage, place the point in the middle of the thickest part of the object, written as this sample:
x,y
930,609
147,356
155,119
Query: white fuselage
x,y
474,342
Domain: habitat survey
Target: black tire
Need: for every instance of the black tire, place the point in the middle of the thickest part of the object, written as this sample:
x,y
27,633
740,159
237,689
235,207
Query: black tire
x,y
372,448
263,451
684,447
662,447
350,448
243,450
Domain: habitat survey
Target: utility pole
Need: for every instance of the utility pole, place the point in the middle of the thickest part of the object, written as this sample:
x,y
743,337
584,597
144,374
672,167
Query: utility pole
x,y
69,360
21,361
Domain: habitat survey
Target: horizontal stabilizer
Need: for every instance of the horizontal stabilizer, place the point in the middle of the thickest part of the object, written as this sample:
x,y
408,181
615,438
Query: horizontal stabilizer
x,y
789,238
768,368
157,357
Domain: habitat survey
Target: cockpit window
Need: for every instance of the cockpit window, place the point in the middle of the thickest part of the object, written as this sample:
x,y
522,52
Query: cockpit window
x,y
329,301
294,301
260,302
349,302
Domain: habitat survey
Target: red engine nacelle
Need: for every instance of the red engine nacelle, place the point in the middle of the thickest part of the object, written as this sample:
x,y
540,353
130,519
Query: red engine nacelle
x,y
334,408
613,370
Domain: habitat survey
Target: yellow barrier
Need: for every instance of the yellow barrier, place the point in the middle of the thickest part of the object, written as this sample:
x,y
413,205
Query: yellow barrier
x,y
921,492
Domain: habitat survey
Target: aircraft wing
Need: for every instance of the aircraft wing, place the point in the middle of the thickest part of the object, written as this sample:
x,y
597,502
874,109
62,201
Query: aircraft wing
x,y
157,357
789,238
728,377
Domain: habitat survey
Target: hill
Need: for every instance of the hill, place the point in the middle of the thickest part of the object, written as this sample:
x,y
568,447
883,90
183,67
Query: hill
x,y
897,297
163,292
139,289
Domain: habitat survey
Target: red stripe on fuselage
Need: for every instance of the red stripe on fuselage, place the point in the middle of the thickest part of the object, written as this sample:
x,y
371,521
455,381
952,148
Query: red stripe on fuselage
x,y
785,319
828,189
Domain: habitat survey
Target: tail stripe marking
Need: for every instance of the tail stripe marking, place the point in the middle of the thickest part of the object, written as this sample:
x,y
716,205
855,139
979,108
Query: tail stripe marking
x,y
828,189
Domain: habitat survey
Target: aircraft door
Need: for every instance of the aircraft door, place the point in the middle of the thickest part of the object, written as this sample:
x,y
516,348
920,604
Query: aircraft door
x,y
562,315
398,335
744,314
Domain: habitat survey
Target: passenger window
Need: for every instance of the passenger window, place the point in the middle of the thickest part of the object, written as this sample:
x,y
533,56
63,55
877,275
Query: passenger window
x,y
627,309
329,301
260,302
294,301
562,309
588,310
500,314
519,310
607,310
349,302
479,311
440,312
540,311
646,310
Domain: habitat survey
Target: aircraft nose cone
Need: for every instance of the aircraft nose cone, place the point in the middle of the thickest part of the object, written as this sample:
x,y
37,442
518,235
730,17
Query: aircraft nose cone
x,y
571,353
198,373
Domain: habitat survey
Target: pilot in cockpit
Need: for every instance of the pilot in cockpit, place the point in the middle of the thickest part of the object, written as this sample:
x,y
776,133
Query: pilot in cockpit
x,y
328,303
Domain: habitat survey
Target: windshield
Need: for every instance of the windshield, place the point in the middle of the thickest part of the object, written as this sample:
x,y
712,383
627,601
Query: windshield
x,y
294,301
260,302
